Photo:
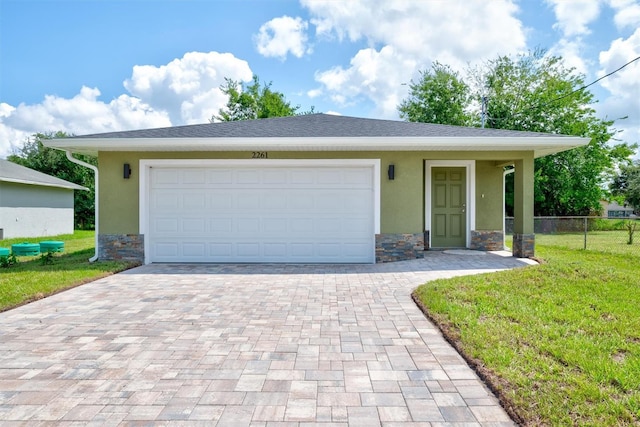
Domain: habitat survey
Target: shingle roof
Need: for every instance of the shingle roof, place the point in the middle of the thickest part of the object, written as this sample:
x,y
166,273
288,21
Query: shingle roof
x,y
12,172
318,132
314,126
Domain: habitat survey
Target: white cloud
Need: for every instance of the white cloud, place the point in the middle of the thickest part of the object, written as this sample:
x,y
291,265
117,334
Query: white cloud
x,y
377,75
571,53
404,37
574,16
188,88
282,36
627,13
624,85
184,91
314,93
82,114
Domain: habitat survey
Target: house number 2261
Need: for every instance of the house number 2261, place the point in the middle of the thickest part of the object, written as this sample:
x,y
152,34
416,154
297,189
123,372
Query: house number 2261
x,y
259,155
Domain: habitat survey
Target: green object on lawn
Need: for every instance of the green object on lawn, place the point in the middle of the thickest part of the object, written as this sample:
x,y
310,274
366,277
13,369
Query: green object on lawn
x,y
51,246
25,249
4,252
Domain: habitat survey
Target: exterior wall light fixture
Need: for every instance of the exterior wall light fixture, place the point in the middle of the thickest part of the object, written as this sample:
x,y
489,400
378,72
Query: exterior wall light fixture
x,y
391,172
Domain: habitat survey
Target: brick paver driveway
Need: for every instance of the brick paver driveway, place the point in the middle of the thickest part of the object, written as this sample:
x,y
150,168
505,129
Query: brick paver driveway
x,y
240,345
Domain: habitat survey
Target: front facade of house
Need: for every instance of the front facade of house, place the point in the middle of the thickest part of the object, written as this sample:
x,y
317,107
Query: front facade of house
x,y
33,204
310,189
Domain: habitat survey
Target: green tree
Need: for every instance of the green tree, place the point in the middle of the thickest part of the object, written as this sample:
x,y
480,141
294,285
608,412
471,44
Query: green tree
x,y
536,92
440,96
33,154
626,185
253,101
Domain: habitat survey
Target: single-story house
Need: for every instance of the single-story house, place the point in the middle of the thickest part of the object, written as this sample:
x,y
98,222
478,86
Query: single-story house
x,y
314,188
34,204
614,210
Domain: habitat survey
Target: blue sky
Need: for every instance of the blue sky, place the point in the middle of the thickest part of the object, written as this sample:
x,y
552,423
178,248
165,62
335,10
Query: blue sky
x,y
88,66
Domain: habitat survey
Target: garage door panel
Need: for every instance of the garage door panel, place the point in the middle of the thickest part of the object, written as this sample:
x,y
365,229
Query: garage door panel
x,y
300,225
166,201
219,201
194,249
354,249
328,225
249,214
357,202
276,226
193,201
248,249
300,201
299,177
165,177
275,176
329,177
219,250
166,250
301,250
328,249
358,178
278,250
165,225
248,176
247,200
356,226
194,176
274,200
247,226
193,225
220,176
221,226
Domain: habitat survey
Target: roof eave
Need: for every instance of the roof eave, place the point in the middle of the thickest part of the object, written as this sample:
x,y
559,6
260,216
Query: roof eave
x,y
44,184
541,145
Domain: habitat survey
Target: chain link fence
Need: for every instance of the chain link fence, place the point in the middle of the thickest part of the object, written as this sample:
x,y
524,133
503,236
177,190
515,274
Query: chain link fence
x,y
620,235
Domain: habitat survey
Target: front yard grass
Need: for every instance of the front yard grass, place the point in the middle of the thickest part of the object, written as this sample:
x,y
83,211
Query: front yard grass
x,y
30,279
558,342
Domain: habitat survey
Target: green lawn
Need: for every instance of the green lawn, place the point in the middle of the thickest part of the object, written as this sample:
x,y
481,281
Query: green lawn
x,y
29,279
559,342
614,241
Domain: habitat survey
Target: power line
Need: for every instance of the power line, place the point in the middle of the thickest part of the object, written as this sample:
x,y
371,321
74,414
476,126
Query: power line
x,y
574,91
592,83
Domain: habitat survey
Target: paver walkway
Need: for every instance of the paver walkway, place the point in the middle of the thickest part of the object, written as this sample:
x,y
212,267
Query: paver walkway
x,y
243,345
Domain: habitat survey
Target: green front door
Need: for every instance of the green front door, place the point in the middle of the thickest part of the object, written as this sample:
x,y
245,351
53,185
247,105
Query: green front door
x,y
448,207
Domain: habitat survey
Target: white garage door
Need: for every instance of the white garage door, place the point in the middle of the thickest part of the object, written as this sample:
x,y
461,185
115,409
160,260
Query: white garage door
x,y
295,214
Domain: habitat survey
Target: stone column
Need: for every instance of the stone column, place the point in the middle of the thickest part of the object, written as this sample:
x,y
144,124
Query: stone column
x,y
523,234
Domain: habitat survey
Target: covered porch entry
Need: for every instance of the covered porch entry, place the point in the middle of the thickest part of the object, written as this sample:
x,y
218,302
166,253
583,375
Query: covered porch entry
x,y
464,205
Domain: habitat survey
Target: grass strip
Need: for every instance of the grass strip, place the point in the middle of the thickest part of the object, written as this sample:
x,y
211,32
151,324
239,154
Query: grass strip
x,y
31,279
558,342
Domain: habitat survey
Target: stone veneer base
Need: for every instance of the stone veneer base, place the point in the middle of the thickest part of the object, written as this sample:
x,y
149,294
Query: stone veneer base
x,y
389,247
125,247
487,240
398,247
524,245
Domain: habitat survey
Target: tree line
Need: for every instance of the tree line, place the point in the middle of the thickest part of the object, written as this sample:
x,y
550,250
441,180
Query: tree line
x,y
531,92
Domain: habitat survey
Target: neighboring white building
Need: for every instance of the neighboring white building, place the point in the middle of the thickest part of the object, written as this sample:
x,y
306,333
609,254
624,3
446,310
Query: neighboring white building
x,y
34,204
614,210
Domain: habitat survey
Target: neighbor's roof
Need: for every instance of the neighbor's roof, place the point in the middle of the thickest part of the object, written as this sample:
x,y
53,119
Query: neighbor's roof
x,y
13,172
319,132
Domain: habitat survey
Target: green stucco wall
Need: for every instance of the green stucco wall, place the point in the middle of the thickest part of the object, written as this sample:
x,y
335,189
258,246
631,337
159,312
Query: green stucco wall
x,y
489,198
401,200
